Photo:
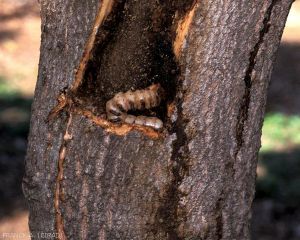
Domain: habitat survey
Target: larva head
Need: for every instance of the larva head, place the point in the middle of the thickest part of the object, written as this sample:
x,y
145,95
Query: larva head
x,y
114,118
112,108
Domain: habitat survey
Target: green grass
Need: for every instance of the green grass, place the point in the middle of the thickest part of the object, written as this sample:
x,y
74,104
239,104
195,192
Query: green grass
x,y
280,132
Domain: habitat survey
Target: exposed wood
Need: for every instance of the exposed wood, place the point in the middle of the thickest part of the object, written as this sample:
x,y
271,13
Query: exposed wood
x,y
103,12
87,178
182,30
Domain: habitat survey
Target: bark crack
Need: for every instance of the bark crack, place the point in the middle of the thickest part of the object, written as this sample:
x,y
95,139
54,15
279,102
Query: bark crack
x,y
66,102
244,108
58,189
170,213
219,217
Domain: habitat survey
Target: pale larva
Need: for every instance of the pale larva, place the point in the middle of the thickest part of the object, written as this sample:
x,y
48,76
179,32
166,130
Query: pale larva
x,y
121,103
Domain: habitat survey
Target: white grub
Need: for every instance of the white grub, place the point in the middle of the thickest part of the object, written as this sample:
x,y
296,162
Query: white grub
x,y
121,103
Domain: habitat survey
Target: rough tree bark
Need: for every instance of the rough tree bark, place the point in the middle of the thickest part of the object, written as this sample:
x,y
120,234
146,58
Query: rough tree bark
x,y
87,178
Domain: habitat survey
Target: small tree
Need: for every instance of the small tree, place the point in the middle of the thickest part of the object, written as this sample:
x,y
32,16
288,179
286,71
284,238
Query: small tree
x,y
88,178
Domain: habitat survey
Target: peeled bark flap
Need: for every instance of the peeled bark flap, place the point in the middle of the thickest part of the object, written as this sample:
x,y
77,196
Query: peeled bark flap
x,y
196,179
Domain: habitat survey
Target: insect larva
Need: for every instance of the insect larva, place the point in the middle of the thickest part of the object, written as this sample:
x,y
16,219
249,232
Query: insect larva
x,y
121,103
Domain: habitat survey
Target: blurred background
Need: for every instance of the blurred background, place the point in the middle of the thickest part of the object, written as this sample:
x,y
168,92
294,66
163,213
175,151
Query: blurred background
x,y
276,209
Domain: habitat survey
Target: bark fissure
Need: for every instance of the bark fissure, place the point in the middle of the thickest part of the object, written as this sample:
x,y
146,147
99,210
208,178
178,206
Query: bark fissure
x,y
60,175
171,214
219,217
244,108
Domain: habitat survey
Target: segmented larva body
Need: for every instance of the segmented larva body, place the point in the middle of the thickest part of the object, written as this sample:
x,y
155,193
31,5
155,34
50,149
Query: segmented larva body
x,y
121,103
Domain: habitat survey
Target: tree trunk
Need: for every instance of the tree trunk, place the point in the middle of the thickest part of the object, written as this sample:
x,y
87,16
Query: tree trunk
x,y
88,178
